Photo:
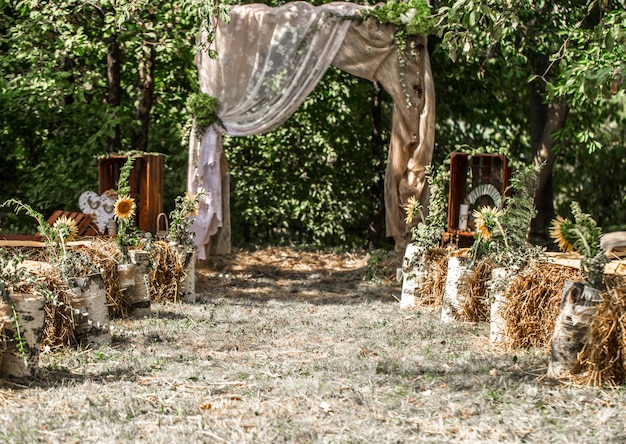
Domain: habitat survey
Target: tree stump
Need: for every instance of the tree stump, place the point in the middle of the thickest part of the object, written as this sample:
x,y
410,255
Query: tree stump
x,y
91,314
455,293
497,323
413,275
126,274
21,352
579,303
139,294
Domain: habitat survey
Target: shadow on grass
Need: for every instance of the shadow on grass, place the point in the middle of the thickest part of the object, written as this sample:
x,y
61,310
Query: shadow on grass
x,y
320,286
495,371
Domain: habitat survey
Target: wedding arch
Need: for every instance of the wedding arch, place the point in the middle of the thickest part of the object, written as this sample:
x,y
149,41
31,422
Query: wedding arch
x,y
270,60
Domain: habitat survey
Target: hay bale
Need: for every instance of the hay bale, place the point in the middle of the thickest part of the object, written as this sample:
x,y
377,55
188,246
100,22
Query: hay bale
x,y
434,284
477,306
105,254
532,303
167,273
601,361
59,325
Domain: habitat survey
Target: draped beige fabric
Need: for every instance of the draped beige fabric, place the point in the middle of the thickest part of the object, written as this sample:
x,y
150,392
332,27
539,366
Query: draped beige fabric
x,y
270,59
368,51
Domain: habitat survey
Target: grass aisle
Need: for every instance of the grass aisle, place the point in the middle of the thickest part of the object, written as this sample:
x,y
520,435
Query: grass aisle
x,y
301,353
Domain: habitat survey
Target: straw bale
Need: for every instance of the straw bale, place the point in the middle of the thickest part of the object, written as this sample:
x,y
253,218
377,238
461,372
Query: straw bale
x,y
477,307
434,286
106,256
532,302
601,361
59,326
167,272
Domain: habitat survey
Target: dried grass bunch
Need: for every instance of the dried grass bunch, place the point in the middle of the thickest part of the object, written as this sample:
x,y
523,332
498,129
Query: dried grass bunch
x,y
59,325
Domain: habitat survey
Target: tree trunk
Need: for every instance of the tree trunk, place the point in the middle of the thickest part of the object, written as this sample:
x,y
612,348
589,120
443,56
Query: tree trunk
x,y
545,120
142,115
114,93
375,226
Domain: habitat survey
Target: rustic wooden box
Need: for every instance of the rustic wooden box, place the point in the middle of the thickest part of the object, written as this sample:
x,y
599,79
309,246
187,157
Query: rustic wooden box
x,y
146,185
474,180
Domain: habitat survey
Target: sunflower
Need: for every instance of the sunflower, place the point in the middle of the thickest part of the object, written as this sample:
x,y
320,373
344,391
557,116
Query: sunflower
x,y
124,207
411,208
65,228
559,231
487,221
191,203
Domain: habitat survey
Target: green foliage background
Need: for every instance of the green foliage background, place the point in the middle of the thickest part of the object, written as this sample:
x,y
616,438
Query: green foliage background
x,y
309,181
318,178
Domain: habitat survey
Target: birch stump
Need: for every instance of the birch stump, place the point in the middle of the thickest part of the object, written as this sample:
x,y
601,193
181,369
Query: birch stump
x,y
412,275
455,293
497,323
139,294
579,303
91,314
23,329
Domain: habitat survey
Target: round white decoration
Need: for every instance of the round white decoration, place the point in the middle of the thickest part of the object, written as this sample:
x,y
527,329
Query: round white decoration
x,y
101,207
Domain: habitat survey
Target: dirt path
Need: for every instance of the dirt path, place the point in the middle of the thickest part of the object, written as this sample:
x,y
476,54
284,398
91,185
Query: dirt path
x,y
287,346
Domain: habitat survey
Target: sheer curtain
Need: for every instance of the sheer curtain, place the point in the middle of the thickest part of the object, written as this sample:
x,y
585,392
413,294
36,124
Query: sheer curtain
x,y
369,51
270,59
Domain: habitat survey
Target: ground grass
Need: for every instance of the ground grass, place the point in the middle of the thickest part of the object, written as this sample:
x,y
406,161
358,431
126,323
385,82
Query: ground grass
x,y
293,347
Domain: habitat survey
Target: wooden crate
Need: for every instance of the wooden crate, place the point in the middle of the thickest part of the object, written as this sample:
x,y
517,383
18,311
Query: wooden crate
x,y
473,180
146,185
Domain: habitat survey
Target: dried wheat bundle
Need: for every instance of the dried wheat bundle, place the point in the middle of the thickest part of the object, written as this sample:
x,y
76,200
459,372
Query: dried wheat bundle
x,y
601,361
532,303
167,272
105,254
434,285
477,306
